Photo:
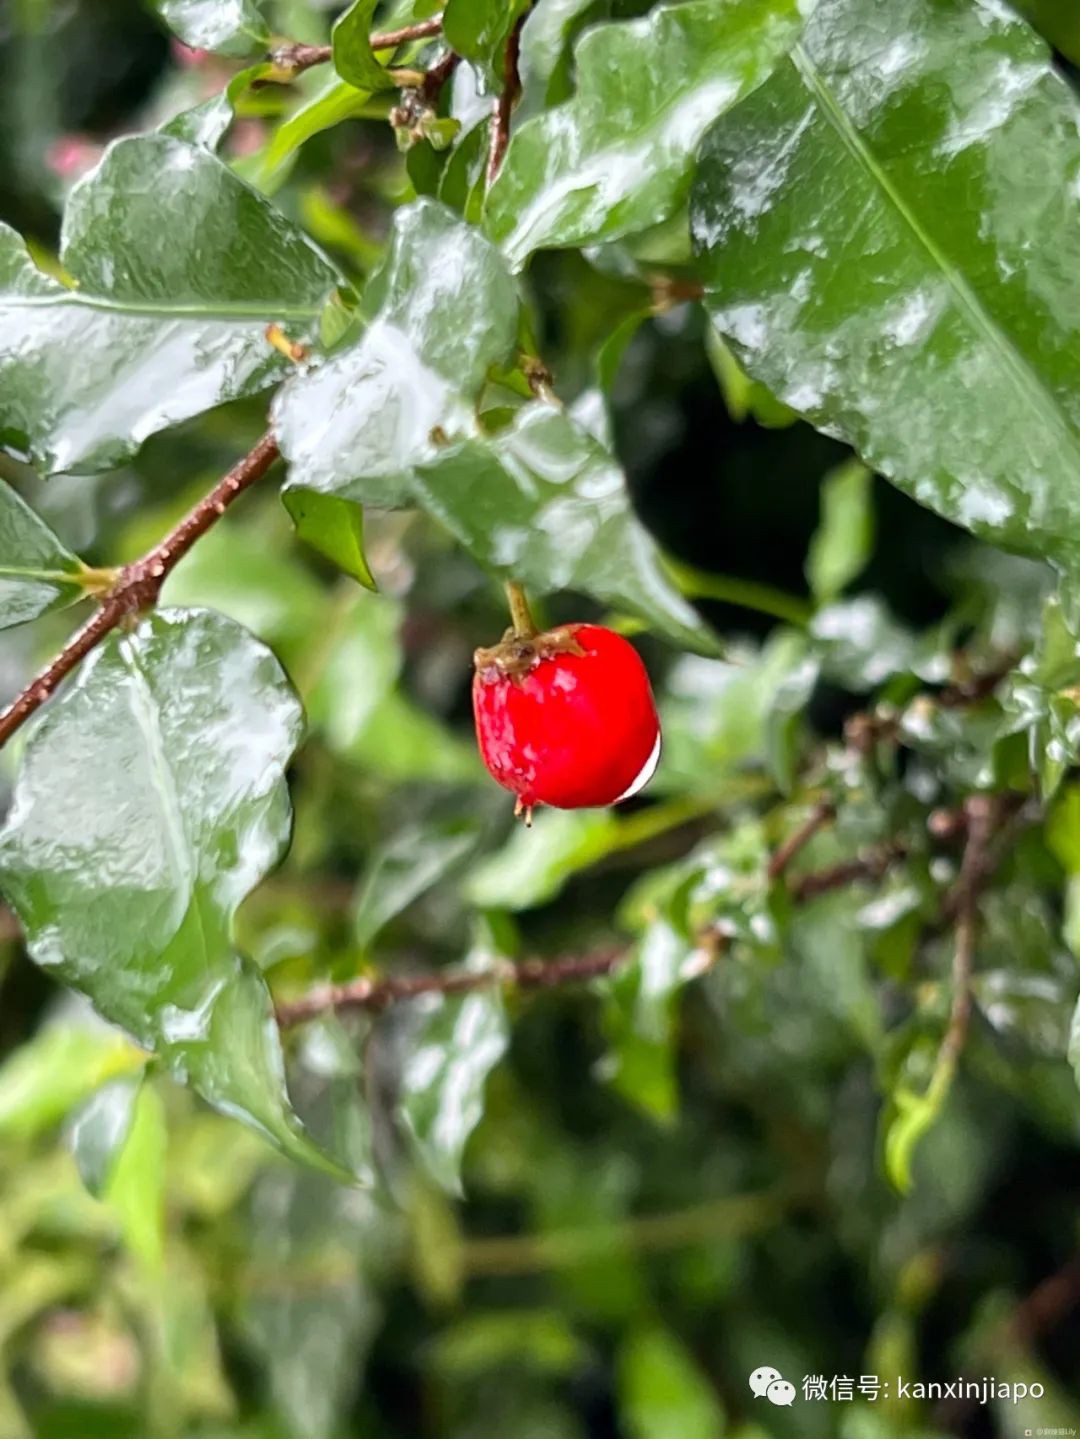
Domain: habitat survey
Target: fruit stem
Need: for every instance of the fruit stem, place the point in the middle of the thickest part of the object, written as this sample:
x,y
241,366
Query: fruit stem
x,y
520,614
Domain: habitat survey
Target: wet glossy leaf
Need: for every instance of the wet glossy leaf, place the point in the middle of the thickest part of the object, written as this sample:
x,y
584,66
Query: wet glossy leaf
x,y
1041,700
169,311
308,1311
404,868
231,27
718,717
477,29
442,310
334,527
392,421
844,539
37,572
97,1133
1058,21
640,1019
545,502
169,751
354,59
45,1078
936,336
455,1044
617,157
208,122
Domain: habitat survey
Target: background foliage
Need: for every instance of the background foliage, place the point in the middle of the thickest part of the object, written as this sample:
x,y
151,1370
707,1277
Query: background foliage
x,y
762,345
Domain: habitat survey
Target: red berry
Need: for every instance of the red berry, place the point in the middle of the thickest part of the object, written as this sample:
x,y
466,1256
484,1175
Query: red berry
x,y
566,718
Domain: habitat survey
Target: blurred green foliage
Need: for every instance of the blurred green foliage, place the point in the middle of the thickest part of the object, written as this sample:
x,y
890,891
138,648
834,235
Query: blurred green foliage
x,y
591,1210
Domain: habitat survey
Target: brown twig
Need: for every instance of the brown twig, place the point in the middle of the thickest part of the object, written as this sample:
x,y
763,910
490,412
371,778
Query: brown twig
x,y
139,584
873,865
293,60
377,994
984,813
822,814
505,102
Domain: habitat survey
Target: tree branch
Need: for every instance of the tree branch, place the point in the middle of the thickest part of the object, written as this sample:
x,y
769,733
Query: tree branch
x,y
293,60
983,812
139,584
505,102
822,814
378,994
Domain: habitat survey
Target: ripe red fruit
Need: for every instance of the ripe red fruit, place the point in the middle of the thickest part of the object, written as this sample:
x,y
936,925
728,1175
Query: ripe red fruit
x,y
566,718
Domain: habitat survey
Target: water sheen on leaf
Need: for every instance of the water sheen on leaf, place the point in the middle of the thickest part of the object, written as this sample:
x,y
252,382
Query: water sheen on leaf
x,y
37,572
391,421
617,157
178,268
457,1041
126,868
231,27
937,337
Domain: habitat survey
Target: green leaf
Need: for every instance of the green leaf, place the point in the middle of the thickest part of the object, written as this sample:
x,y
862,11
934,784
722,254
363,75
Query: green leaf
x,y
98,1132
535,863
45,1078
334,102
442,310
640,1021
478,29
662,1390
334,527
1058,21
178,268
150,801
618,156
307,1309
230,27
354,59
392,421
404,868
37,572
929,331
744,397
546,503
844,540
135,1191
456,1043
208,122
1041,699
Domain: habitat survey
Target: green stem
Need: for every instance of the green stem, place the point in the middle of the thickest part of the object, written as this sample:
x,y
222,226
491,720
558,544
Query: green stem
x,y
520,614
699,584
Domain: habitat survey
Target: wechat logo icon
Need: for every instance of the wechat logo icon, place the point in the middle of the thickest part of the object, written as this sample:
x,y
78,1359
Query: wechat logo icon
x,y
768,1383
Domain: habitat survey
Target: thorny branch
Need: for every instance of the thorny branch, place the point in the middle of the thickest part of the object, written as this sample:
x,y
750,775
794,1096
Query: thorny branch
x,y
139,584
292,60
